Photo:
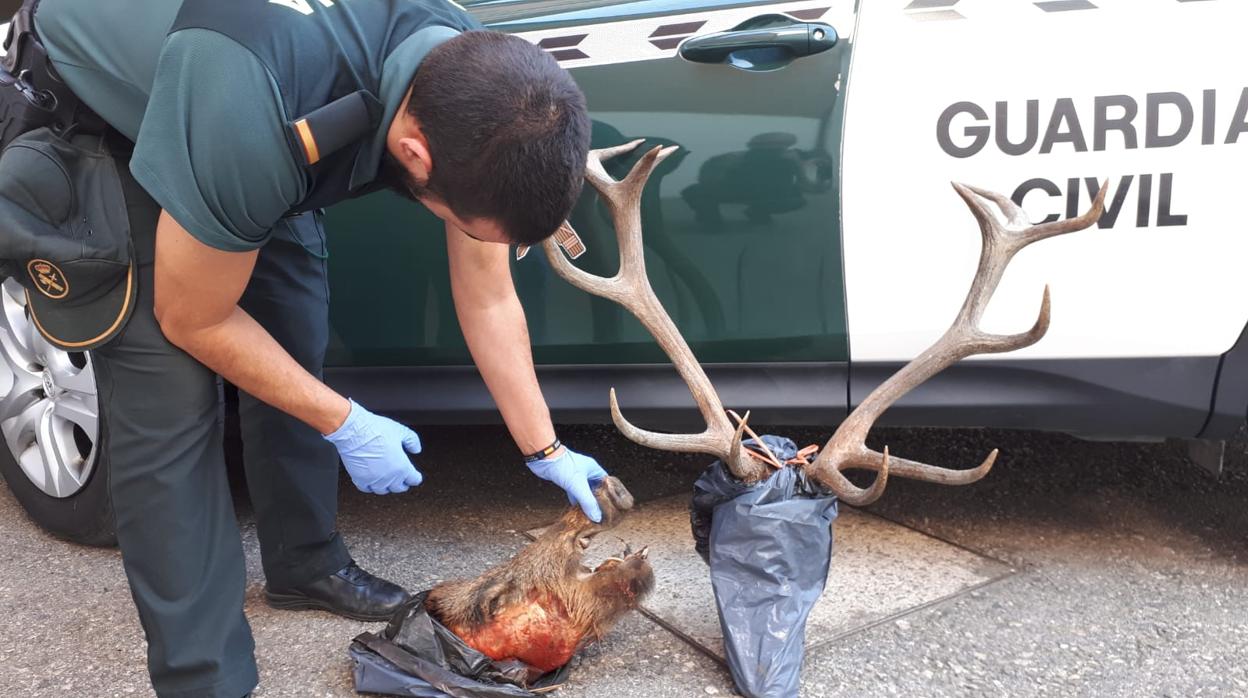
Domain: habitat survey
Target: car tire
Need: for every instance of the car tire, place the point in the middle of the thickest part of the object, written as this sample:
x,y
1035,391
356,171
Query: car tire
x,y
52,431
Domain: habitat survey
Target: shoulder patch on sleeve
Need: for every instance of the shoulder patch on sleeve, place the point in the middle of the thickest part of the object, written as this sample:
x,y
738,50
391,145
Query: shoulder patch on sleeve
x,y
335,125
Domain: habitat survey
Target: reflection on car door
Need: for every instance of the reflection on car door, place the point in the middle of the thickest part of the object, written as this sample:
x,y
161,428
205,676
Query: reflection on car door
x,y
741,227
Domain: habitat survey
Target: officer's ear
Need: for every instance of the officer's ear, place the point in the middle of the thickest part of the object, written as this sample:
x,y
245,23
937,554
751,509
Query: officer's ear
x,y
413,155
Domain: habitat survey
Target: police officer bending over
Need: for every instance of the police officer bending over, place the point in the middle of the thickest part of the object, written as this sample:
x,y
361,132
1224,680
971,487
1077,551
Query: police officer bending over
x,y
232,123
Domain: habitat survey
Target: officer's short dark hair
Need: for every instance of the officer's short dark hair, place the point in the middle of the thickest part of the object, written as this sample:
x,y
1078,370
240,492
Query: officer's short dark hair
x,y
508,132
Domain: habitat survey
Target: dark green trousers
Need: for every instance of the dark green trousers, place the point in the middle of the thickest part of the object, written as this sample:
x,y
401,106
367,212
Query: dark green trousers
x,y
175,520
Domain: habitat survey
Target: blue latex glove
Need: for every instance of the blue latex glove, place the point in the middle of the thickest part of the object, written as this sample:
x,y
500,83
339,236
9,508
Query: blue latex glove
x,y
577,475
373,451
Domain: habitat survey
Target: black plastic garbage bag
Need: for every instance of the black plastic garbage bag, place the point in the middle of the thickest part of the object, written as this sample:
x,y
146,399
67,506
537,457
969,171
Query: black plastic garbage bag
x,y
769,546
417,656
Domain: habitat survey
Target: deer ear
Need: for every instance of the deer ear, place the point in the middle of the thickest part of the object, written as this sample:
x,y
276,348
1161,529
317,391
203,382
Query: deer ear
x,y
642,580
488,599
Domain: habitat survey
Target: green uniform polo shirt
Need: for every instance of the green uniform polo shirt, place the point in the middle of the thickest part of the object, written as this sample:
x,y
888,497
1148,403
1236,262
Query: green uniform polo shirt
x,y
204,113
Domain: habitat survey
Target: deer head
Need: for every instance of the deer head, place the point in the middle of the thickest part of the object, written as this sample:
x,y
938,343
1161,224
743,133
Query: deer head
x,y
846,450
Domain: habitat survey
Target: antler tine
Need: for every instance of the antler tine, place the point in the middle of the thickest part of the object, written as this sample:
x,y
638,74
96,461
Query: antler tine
x,y
596,173
914,470
1019,233
631,288
604,154
1001,243
1070,225
1013,212
1001,343
709,441
736,454
847,450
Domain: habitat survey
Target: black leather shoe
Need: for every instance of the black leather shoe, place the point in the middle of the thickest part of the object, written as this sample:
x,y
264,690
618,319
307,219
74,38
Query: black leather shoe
x,y
350,592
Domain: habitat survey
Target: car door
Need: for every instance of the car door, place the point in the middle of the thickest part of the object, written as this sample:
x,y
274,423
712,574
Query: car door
x,y
741,226
1044,100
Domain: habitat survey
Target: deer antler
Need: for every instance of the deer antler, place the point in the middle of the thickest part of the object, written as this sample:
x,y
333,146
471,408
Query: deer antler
x,y
631,288
1002,240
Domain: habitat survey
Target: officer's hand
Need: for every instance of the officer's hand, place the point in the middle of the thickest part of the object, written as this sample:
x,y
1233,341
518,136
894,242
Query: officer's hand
x,y
374,451
577,475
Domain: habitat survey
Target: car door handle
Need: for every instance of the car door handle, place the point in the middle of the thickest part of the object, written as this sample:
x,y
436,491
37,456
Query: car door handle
x,y
765,40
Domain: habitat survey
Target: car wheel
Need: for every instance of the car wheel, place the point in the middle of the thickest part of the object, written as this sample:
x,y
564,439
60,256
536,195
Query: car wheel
x,y
53,431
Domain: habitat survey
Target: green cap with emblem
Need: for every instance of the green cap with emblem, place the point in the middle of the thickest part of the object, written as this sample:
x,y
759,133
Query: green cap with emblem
x,y
64,234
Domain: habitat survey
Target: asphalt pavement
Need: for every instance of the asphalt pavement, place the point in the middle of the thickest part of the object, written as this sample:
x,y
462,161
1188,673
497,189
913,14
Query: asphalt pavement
x,y
1125,570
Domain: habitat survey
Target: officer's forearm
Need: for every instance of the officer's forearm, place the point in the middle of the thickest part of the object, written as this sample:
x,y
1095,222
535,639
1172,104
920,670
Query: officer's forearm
x,y
197,290
246,355
493,324
499,342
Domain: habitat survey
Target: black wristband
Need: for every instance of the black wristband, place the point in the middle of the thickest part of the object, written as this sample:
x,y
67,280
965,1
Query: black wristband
x,y
544,453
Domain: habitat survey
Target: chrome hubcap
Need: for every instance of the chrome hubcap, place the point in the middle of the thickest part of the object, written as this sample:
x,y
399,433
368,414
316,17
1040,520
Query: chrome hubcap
x,y
49,411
